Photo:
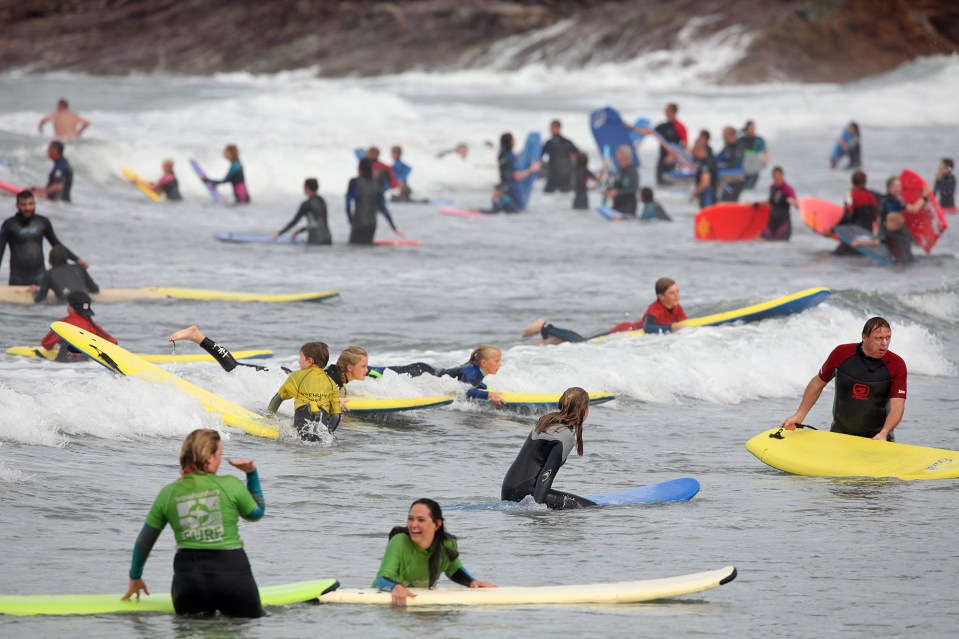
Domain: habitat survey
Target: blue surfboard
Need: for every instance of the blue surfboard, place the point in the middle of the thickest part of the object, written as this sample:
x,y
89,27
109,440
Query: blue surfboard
x,y
532,151
847,233
401,170
610,133
640,123
609,213
257,238
360,153
682,489
837,151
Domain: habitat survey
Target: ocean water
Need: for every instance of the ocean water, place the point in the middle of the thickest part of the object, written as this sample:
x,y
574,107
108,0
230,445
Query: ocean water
x,y
82,453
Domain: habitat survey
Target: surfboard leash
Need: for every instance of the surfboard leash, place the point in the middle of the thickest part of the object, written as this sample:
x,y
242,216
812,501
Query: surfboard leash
x,y
778,434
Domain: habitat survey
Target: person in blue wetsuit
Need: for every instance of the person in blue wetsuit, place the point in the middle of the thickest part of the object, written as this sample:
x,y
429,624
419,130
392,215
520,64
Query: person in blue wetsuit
x,y
364,197
545,451
60,180
313,212
707,174
731,157
506,197
652,210
484,360
234,175
211,571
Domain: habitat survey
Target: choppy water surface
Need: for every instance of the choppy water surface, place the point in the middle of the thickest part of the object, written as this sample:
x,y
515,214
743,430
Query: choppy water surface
x,y
82,453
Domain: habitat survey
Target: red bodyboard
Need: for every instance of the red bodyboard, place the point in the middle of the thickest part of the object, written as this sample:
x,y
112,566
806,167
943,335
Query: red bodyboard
x,y
929,223
732,221
821,216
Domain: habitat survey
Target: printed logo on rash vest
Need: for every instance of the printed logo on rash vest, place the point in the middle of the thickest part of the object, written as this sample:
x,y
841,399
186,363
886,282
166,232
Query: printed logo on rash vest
x,y
860,391
200,516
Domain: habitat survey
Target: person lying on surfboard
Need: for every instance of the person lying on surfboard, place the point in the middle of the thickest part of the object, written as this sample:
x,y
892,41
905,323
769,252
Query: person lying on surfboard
x,y
484,360
80,314
545,451
221,355
211,571
662,316
417,553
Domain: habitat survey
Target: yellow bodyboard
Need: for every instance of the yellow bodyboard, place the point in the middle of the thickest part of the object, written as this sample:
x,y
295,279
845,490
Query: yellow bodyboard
x,y
142,184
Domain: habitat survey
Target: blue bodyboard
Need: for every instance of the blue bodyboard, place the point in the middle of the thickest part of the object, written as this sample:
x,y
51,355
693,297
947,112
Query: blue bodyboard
x,y
682,489
258,238
531,153
609,213
847,233
360,153
610,133
837,151
640,123
401,170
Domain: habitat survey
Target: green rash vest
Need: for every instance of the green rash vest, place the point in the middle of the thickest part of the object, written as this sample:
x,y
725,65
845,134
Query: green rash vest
x,y
203,510
406,563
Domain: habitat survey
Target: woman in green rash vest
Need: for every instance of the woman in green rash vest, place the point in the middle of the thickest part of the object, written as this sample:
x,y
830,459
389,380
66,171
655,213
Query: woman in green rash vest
x,y
417,554
210,569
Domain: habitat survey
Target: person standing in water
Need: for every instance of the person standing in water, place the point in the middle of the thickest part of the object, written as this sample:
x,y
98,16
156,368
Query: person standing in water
x,y
625,184
234,175
561,154
945,185
168,185
674,132
364,197
211,571
313,212
60,180
24,232
781,198
67,125
545,451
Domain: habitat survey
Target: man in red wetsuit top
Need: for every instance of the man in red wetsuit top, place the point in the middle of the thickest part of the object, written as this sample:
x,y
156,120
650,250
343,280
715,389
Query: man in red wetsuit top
x,y
81,316
662,316
870,386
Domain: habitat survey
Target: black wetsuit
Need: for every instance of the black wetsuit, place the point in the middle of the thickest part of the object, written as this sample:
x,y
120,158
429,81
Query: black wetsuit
x,y
368,197
581,178
731,157
63,279
467,373
61,173
535,468
707,165
171,190
945,190
559,150
664,165
313,209
25,236
626,185
900,240
224,357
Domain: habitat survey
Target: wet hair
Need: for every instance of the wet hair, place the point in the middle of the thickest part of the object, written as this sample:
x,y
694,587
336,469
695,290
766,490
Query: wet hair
x,y
373,152
319,352
582,160
556,123
948,162
311,184
350,356
748,124
874,323
890,180
25,194
58,255
663,284
572,405
672,106
438,546
366,168
859,178
198,447
58,145
854,127
645,195
233,152
481,352
778,169
704,134
506,142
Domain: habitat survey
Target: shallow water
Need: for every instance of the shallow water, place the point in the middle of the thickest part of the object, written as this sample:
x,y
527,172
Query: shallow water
x,y
82,453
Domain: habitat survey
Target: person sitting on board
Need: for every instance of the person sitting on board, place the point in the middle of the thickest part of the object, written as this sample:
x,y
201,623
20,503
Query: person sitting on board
x,y
731,159
24,232
63,278
626,183
892,222
707,174
545,451
168,185
401,172
60,180
652,210
861,208
945,186
662,316
562,153
211,571
222,356
485,359
364,198
67,125
316,400
417,553
870,396
581,178
850,146
313,212
79,314
509,175
755,147
674,132
781,198
234,175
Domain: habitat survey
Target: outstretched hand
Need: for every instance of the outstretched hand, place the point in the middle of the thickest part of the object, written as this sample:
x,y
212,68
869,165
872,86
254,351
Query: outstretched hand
x,y
476,583
136,585
246,465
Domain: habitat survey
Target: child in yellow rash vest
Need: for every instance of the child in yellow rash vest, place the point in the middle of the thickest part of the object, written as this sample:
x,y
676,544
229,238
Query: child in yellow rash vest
x,y
316,398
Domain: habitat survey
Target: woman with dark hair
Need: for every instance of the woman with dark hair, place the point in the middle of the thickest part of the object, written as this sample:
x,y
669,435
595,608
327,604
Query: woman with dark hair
x,y
545,451
210,570
417,553
364,197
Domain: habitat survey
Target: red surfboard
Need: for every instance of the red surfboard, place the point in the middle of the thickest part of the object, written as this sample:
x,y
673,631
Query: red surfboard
x,y
929,223
6,186
822,216
732,221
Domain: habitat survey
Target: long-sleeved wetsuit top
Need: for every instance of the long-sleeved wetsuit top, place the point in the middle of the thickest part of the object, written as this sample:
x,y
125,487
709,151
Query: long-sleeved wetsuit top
x,y
62,280
313,212
25,236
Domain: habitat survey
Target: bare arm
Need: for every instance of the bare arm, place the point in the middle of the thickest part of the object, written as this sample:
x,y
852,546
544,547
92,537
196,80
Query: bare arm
x,y
809,398
897,406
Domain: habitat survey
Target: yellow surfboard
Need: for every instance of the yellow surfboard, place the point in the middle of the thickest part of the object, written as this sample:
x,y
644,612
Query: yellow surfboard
x,y
22,295
142,184
545,400
820,453
156,358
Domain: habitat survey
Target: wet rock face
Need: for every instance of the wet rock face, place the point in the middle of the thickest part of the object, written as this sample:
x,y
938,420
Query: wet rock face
x,y
799,40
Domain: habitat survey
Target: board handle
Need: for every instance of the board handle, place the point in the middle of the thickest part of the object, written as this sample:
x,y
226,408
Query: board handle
x,y
779,433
